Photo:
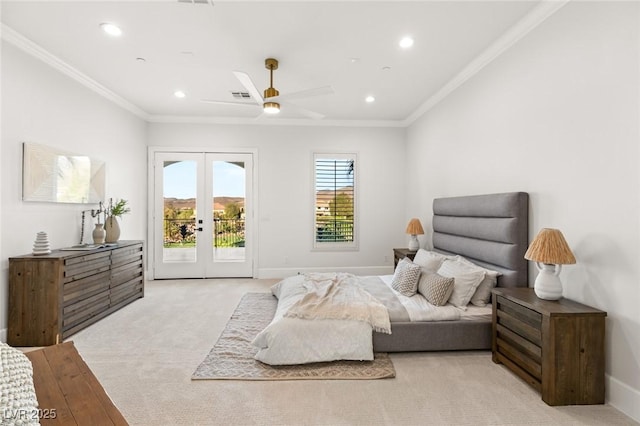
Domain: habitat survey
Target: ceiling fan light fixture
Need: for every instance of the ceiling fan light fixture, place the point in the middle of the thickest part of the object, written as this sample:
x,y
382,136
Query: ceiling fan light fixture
x,y
271,107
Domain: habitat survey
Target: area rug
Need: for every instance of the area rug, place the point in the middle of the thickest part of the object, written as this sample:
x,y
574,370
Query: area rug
x,y
232,356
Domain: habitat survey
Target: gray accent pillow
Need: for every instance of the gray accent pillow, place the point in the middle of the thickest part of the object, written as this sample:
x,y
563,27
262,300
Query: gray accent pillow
x,y
405,278
435,288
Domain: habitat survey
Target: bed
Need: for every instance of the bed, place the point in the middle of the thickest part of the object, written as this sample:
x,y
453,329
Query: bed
x,y
492,231
489,232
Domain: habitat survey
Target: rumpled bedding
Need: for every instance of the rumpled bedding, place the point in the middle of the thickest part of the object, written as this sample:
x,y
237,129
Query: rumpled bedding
x,y
331,316
339,296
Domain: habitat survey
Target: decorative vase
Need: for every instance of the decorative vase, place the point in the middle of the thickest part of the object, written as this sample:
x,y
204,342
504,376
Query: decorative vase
x,y
98,234
112,227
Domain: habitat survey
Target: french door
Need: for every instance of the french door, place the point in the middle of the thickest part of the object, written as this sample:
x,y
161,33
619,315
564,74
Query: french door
x,y
203,215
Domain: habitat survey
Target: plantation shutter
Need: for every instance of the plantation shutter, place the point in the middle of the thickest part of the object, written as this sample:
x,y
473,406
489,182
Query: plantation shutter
x,y
334,201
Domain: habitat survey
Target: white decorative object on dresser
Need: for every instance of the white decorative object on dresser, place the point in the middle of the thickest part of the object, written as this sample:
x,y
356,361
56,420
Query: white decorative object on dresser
x,y
550,251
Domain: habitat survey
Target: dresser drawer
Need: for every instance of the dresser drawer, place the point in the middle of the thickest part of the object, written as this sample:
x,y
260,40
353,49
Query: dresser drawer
x,y
79,312
80,267
86,287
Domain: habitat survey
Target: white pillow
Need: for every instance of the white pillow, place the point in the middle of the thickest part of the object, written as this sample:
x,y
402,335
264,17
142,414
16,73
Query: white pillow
x,y
405,278
483,293
466,281
430,261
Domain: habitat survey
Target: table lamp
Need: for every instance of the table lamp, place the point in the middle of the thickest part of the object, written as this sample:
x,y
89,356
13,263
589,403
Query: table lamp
x,y
550,251
414,228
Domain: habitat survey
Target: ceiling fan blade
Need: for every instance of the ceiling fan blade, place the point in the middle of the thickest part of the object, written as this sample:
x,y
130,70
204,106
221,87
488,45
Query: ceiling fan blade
x,y
212,101
248,84
318,91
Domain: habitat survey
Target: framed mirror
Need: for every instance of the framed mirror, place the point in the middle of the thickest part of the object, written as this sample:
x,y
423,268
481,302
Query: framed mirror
x,y
52,175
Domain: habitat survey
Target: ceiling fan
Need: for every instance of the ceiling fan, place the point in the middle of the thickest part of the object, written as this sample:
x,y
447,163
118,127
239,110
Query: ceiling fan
x,y
272,99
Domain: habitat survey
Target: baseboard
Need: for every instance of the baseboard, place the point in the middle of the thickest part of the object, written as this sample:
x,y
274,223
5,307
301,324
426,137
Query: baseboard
x,y
3,335
623,397
358,270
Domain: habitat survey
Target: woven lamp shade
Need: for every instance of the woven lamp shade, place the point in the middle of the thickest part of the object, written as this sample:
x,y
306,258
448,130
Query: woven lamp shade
x,y
550,247
414,227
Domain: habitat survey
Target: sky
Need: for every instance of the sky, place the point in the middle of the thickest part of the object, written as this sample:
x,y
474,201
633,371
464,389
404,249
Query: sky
x,y
180,180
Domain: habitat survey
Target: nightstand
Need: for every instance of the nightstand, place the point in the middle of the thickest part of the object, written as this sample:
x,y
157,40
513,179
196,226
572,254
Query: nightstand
x,y
555,346
401,253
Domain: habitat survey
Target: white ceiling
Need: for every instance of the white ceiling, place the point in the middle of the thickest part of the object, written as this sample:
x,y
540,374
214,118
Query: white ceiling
x,y
196,48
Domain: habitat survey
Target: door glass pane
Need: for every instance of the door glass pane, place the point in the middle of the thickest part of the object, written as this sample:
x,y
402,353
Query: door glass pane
x,y
179,192
228,211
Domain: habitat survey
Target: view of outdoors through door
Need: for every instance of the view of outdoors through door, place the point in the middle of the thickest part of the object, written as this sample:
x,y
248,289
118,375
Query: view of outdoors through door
x,y
202,200
179,211
229,233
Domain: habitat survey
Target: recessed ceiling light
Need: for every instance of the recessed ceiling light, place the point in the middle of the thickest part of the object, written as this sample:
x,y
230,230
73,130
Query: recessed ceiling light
x,y
141,59
406,42
111,29
354,60
386,68
369,99
179,94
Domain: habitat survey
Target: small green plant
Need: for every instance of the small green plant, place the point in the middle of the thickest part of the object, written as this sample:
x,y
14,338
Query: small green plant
x,y
118,208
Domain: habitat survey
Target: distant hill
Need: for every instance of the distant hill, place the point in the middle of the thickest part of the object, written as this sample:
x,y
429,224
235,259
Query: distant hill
x,y
323,193
323,197
190,203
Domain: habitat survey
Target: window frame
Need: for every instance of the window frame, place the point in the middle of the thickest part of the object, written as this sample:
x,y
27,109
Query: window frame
x,y
334,245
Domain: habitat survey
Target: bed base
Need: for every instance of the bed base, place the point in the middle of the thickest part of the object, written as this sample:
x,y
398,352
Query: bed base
x,y
435,336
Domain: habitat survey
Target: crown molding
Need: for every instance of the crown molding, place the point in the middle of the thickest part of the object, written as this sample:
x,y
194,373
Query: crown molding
x,y
178,119
523,27
20,41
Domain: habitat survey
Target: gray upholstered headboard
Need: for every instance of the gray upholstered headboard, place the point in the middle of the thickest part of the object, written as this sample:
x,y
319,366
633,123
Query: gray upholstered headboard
x,y
490,230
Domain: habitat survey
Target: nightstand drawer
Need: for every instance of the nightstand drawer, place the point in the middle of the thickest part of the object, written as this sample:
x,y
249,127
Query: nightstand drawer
x,y
519,337
520,351
520,320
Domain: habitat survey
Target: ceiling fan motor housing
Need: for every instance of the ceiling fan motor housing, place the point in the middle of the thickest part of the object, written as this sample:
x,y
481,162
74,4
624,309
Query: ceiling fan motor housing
x,y
270,92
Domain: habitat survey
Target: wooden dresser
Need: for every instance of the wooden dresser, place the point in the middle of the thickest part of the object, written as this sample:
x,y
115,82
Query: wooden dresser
x,y
54,296
555,346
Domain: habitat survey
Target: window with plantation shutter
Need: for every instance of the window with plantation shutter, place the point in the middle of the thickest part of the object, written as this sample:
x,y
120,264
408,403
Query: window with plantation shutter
x,y
335,201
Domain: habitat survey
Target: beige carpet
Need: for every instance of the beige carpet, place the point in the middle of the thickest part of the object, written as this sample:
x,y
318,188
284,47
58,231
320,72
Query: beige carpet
x,y
144,356
232,356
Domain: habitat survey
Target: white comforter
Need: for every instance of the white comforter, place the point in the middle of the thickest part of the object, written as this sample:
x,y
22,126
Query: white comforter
x,y
287,340
339,296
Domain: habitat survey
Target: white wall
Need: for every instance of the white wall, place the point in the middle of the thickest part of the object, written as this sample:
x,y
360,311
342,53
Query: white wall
x,y
41,105
284,186
557,116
